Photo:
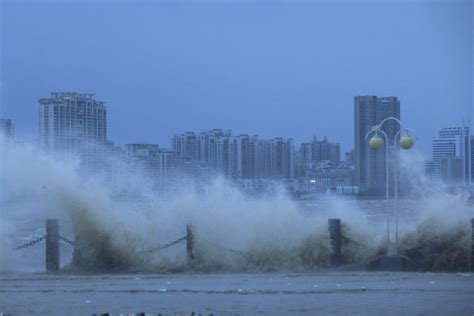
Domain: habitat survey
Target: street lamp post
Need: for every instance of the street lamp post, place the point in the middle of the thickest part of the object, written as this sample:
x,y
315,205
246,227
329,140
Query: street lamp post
x,y
405,142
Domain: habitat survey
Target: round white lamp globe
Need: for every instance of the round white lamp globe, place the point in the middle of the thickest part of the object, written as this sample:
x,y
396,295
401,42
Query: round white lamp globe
x,y
376,142
406,142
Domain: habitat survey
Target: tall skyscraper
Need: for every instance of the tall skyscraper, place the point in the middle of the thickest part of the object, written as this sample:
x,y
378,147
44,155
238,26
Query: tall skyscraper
x,y
370,164
453,142
74,123
6,128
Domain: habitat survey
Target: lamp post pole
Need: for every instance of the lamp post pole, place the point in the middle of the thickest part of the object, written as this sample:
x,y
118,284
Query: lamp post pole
x,y
376,142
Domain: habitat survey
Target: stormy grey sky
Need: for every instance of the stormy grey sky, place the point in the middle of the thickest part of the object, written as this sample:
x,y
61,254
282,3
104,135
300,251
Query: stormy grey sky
x,y
271,68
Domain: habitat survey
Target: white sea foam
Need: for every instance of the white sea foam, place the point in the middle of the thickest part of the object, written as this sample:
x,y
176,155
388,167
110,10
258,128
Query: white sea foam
x,y
122,214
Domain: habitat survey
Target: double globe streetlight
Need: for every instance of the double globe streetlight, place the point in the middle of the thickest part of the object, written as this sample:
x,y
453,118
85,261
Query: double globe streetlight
x,y
376,142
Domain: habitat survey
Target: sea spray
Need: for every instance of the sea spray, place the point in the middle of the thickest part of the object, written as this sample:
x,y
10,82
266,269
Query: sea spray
x,y
117,217
441,240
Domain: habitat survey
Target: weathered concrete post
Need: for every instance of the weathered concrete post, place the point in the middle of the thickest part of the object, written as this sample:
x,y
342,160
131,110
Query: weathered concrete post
x,y
335,235
189,242
472,244
52,245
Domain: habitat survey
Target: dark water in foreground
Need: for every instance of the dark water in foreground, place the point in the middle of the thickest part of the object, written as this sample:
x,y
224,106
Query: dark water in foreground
x,y
334,293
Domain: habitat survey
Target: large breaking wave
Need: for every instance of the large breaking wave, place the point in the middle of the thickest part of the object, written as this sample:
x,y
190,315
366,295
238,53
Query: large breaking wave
x,y
119,217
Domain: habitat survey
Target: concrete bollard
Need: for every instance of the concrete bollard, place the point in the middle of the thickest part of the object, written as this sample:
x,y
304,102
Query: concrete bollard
x,y
335,235
52,245
189,242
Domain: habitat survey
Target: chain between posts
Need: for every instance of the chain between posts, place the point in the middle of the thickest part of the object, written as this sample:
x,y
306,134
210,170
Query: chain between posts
x,y
177,241
66,240
165,246
30,243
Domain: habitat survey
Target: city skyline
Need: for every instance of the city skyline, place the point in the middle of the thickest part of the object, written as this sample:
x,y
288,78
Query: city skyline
x,y
76,123
197,77
297,144
169,143
346,146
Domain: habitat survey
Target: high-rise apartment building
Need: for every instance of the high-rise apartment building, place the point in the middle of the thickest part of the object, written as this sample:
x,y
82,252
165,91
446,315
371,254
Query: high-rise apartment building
x,y
237,157
221,149
370,164
266,158
326,151
247,156
453,142
160,164
320,150
186,146
215,149
73,123
306,153
6,128
281,158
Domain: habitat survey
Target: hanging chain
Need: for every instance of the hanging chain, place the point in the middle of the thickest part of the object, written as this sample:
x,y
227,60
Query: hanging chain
x,y
66,240
177,241
30,243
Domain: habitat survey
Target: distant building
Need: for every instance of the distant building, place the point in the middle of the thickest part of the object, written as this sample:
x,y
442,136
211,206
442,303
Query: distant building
x,y
246,157
7,128
349,157
299,165
320,150
452,170
160,164
317,154
430,169
139,150
275,158
453,142
328,178
186,146
472,159
327,151
306,153
281,158
370,164
220,149
211,148
74,123
236,157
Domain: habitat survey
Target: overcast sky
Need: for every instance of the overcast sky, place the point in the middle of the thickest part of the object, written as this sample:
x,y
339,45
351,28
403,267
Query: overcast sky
x,y
270,68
